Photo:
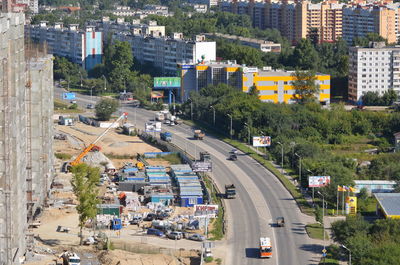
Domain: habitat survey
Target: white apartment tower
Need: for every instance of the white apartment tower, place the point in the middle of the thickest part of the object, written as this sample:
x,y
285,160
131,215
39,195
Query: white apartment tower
x,y
375,69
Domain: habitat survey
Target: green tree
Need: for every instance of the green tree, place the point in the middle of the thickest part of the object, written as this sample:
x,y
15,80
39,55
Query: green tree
x,y
120,65
105,108
305,85
305,57
84,182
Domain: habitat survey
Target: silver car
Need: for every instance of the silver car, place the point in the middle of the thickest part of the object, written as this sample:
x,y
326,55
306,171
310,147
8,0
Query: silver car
x,y
197,237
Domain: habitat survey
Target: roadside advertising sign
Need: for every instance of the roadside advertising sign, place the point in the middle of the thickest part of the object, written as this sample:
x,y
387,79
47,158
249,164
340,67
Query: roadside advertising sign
x,y
152,127
157,94
208,210
200,166
167,82
68,96
261,141
318,181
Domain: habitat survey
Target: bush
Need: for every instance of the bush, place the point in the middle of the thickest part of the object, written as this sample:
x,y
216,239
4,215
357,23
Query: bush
x,y
208,259
63,156
73,106
105,108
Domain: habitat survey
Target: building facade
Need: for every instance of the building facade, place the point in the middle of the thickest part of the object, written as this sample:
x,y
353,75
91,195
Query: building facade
x,y
83,47
166,52
272,85
374,69
26,137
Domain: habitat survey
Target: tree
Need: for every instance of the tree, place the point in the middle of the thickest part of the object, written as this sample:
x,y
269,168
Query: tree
x,y
105,108
305,57
120,65
84,182
305,86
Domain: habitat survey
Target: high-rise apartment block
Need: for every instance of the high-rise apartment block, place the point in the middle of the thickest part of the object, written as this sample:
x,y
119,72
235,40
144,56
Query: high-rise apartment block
x,y
20,5
84,47
26,133
375,69
327,21
272,85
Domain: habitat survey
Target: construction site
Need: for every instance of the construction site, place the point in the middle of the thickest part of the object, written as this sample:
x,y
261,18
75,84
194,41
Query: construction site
x,y
26,130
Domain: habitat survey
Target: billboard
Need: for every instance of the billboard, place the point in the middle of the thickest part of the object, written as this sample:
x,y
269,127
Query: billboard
x,y
209,210
351,205
261,141
68,96
318,181
152,127
157,94
167,82
200,166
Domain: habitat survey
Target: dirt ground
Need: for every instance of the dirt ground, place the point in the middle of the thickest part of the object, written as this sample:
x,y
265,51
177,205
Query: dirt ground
x,y
112,143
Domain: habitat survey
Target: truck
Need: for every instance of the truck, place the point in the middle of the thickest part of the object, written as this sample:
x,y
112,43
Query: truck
x,y
230,191
265,247
70,258
159,116
205,156
198,135
280,222
166,136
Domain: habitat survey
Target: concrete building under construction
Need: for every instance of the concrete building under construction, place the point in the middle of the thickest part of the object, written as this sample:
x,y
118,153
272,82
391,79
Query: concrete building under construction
x,y
26,132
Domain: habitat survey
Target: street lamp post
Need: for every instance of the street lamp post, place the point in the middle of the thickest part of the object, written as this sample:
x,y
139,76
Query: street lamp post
x,y
105,82
281,155
248,128
213,114
312,187
173,106
230,131
91,93
343,246
323,220
299,170
191,108
81,78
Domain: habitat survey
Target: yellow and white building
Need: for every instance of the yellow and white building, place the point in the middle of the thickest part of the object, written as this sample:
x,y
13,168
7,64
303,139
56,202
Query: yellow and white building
x,y
272,85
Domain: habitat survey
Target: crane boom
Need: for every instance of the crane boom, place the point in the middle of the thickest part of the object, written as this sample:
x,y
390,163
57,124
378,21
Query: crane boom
x,y
87,149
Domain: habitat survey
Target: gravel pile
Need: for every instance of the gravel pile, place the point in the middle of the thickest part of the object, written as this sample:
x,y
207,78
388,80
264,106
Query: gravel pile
x,y
96,159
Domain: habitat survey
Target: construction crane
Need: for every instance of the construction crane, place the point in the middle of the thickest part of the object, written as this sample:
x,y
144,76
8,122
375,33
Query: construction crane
x,y
93,144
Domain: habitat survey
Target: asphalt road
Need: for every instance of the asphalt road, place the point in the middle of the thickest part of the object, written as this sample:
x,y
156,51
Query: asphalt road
x,y
260,199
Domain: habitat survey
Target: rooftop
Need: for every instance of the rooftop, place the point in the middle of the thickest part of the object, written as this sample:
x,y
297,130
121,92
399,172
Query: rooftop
x,y
390,203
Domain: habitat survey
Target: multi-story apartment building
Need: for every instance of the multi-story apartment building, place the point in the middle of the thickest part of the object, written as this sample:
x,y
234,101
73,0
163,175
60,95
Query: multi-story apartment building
x,y
272,85
19,6
165,52
209,3
83,47
294,19
375,69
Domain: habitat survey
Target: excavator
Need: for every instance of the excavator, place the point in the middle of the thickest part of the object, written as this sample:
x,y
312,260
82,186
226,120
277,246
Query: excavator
x,y
93,144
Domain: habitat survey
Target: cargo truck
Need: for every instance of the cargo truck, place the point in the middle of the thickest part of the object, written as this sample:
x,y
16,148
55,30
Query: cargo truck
x,y
198,135
265,247
166,136
230,191
160,116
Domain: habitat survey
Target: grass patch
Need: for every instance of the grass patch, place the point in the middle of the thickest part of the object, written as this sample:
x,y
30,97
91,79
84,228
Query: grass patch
x,y
172,158
62,107
329,261
63,156
217,230
367,207
316,231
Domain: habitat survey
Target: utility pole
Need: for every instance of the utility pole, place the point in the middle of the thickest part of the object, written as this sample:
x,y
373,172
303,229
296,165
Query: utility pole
x,y
213,114
299,170
281,156
105,82
230,132
191,109
323,221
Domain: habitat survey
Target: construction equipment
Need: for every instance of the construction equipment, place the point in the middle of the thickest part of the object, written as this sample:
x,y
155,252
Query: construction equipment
x,y
230,191
93,144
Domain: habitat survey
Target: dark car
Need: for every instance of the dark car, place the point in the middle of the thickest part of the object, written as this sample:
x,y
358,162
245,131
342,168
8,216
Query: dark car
x,y
150,217
280,222
162,216
90,106
155,232
233,157
136,220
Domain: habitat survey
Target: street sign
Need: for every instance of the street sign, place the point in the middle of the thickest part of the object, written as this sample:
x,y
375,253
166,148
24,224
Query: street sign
x,y
324,250
324,255
208,244
68,96
318,181
200,166
261,141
